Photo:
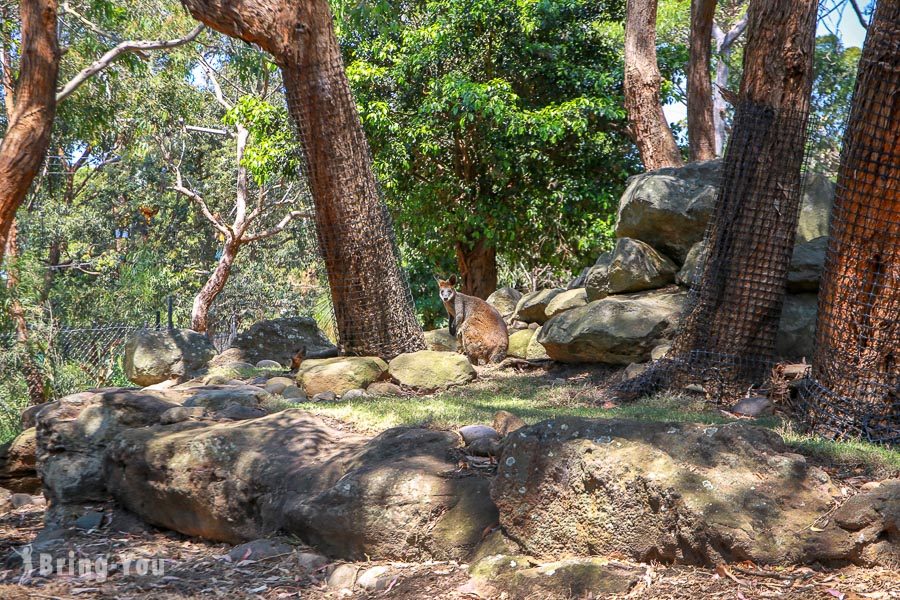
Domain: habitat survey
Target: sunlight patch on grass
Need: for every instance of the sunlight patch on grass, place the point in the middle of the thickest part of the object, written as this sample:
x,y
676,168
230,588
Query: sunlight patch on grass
x,y
849,453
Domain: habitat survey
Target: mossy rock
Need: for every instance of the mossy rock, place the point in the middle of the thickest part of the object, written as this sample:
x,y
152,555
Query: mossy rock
x,y
340,374
518,343
428,370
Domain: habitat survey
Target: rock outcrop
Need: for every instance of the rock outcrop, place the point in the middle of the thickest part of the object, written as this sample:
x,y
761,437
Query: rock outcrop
x,y
566,300
532,308
505,300
339,374
155,356
17,464
686,493
633,267
440,340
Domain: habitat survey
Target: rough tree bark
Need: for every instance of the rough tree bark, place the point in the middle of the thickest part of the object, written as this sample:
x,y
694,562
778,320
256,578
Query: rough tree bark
x,y
23,147
652,134
477,268
857,353
701,125
213,286
372,305
753,225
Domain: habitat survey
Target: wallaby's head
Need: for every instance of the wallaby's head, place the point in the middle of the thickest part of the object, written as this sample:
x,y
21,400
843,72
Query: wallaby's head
x,y
446,288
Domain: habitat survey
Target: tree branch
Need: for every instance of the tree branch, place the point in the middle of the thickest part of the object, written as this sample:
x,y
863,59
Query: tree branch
x,y
213,80
198,200
859,14
294,214
123,48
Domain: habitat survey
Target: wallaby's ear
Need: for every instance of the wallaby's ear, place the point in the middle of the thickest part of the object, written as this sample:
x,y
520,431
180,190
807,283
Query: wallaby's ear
x,y
436,277
452,280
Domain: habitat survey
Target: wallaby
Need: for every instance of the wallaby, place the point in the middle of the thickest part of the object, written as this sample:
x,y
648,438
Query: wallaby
x,y
479,329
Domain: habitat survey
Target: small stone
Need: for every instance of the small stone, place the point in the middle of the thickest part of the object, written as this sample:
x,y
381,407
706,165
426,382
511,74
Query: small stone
x,y
89,520
754,406
324,397
660,351
258,549
695,387
354,394
374,578
342,576
310,561
268,364
634,370
293,392
277,385
472,433
20,500
384,388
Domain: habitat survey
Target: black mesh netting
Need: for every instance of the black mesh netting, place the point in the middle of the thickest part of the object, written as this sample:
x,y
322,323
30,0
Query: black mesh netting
x,y
728,333
373,307
854,390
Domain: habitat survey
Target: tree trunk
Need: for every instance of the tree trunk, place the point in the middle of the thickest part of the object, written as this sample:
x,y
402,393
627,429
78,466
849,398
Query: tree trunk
x,y
701,130
751,237
477,268
215,284
857,357
372,304
23,147
652,134
34,379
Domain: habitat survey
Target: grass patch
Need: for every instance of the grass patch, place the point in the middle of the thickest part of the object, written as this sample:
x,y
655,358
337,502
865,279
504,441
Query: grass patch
x,y
529,397
851,454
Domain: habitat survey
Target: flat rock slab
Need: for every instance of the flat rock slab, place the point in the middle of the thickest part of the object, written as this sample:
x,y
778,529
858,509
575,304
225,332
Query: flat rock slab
x,y
685,493
393,497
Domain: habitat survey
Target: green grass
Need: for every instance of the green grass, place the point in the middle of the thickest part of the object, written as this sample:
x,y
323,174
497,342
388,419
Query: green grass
x,y
851,454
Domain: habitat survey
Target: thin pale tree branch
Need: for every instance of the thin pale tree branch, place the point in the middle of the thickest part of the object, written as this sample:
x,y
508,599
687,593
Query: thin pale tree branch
x,y
294,214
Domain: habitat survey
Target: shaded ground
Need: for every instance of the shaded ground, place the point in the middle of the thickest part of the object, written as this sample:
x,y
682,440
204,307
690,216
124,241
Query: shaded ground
x,y
193,568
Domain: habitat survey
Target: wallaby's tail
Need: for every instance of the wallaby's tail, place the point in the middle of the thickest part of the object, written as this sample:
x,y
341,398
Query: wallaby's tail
x,y
499,355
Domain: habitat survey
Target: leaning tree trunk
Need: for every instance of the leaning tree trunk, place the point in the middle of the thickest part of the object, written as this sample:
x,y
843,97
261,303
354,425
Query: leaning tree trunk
x,y
27,136
477,268
856,365
372,304
701,127
213,286
734,319
652,134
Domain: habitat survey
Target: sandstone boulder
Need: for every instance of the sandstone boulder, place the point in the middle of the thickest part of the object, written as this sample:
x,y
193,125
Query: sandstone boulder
x,y
633,267
692,269
566,301
155,356
279,340
17,463
339,374
505,300
440,340
388,497
807,264
428,370
796,335
619,329
532,307
536,350
815,207
518,343
669,208
687,493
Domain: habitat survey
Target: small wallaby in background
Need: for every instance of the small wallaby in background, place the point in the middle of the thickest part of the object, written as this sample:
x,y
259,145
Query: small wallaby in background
x,y
479,329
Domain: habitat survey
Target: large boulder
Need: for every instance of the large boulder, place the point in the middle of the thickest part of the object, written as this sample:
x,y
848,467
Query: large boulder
x,y
279,340
17,463
815,207
339,374
566,301
619,329
155,356
352,497
687,493
633,267
518,343
807,265
797,327
692,269
505,300
440,340
428,370
669,208
532,307
73,436
536,350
